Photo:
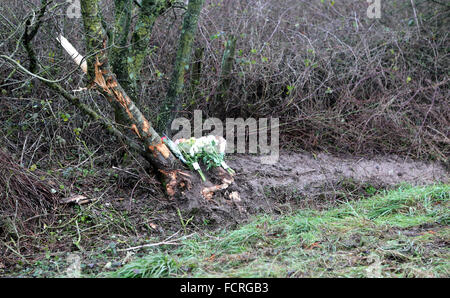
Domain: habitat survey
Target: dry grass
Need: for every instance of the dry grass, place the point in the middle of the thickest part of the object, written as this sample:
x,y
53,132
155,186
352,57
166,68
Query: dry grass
x,y
27,203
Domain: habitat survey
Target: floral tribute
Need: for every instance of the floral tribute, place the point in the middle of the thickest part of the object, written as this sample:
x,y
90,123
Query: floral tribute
x,y
209,149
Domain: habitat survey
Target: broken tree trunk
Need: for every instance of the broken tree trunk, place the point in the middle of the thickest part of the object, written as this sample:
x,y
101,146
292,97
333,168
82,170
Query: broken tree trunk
x,y
177,181
119,50
101,76
156,152
127,56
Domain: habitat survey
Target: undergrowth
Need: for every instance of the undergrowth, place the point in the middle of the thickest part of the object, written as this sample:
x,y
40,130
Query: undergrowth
x,y
399,233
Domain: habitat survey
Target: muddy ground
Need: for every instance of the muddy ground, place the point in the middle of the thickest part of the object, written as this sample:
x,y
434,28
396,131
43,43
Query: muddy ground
x,y
129,208
300,180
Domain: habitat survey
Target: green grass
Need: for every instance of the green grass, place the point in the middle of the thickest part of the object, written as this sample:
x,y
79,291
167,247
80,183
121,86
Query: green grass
x,y
400,233
158,265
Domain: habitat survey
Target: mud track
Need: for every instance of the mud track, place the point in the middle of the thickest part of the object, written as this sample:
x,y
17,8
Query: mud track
x,y
302,170
301,180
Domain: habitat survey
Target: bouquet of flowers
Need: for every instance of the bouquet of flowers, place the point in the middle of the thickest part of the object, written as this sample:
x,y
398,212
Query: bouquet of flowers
x,y
210,150
213,153
184,155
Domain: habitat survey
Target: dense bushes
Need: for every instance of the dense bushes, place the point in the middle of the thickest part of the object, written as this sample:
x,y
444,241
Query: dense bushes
x,y
337,80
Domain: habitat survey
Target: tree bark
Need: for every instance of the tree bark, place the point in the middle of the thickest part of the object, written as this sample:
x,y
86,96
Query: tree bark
x,y
119,43
225,75
127,57
196,72
140,39
101,76
172,103
29,34
119,50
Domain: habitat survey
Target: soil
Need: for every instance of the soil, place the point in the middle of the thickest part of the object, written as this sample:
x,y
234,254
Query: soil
x,y
129,204
304,169
300,180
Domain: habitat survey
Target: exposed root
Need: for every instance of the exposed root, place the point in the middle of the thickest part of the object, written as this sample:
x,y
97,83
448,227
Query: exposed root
x,y
224,180
177,182
208,192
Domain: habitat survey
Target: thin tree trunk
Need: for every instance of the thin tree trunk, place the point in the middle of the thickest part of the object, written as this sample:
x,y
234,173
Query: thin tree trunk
x,y
127,57
140,39
119,49
196,72
225,75
172,103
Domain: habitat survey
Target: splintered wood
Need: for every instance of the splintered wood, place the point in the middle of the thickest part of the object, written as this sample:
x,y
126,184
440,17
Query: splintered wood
x,y
76,199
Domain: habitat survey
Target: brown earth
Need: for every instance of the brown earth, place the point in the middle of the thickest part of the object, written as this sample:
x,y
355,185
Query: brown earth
x,y
300,180
129,205
303,170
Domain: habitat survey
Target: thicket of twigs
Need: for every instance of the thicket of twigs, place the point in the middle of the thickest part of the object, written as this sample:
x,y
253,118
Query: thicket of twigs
x,y
27,199
338,81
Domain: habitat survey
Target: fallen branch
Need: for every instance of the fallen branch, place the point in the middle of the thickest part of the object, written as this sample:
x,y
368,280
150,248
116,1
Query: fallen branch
x,y
77,199
165,242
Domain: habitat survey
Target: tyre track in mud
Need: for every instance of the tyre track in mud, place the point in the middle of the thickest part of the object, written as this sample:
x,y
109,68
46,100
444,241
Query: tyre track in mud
x,y
302,180
308,173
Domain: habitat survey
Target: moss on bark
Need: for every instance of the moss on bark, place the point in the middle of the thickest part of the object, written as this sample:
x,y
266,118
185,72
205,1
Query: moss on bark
x,y
172,104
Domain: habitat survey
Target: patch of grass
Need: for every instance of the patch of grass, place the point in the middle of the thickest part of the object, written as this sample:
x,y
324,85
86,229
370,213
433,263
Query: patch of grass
x,y
399,233
157,265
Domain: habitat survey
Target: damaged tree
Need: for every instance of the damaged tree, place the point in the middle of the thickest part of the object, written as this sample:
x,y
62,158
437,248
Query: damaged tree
x,y
175,178
114,72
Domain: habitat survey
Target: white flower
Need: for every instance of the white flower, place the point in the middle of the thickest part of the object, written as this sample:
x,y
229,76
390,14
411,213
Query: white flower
x,y
211,139
208,144
202,142
221,144
194,149
178,141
